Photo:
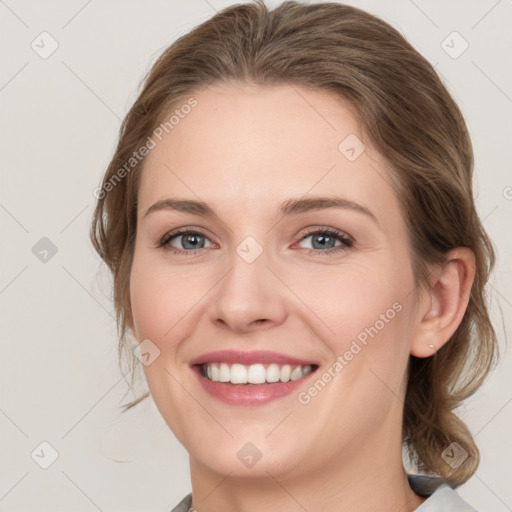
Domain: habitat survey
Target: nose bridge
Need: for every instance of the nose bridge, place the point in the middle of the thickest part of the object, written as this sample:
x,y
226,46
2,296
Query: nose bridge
x,y
249,292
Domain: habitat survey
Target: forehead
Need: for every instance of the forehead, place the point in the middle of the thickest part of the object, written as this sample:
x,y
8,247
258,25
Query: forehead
x,y
255,146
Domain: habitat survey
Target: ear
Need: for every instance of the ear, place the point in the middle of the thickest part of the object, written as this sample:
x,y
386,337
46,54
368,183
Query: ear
x,y
442,312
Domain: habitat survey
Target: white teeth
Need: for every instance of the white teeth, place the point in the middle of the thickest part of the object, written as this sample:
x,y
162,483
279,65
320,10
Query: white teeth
x,y
285,373
296,373
273,373
254,373
307,369
257,374
238,374
224,373
215,373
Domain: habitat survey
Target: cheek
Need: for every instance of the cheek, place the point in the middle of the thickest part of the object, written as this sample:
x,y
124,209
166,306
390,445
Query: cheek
x,y
356,303
165,300
366,309
155,300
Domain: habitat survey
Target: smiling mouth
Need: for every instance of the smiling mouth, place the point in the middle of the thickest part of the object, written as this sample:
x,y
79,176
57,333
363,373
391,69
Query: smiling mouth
x,y
258,373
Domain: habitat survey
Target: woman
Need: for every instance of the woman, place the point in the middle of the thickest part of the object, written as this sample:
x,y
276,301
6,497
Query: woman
x,y
290,224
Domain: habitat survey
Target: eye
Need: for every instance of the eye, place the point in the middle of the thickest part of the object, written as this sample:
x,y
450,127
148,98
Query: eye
x,y
191,241
324,241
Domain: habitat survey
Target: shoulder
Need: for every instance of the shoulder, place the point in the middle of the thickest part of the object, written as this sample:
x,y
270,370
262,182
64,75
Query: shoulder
x,y
441,497
184,504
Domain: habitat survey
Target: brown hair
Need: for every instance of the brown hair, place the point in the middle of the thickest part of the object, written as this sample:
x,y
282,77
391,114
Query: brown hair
x,y
411,119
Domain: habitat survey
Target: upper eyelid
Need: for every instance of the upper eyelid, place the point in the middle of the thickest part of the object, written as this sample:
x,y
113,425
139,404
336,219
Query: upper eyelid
x,y
305,231
182,232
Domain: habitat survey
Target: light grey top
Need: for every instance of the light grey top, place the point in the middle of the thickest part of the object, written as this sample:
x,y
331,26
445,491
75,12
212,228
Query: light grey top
x,y
441,497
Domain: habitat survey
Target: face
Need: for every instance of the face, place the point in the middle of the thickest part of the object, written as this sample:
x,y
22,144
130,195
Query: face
x,y
308,300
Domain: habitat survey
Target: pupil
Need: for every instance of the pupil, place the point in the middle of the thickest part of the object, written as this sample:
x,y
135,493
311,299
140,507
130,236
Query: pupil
x,y
194,244
324,238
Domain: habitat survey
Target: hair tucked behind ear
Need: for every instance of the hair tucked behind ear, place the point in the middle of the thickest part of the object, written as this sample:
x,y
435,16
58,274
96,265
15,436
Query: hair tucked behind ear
x,y
411,119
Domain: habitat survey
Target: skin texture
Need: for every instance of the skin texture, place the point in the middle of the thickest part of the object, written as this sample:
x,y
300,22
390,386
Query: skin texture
x,y
244,150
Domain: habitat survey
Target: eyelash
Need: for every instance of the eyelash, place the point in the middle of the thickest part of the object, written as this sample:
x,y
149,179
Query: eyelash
x,y
347,242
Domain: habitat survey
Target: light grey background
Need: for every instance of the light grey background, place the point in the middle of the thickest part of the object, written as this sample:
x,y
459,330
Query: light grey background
x,y
59,380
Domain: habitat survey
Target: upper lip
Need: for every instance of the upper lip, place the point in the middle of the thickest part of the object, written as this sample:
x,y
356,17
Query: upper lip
x,y
248,358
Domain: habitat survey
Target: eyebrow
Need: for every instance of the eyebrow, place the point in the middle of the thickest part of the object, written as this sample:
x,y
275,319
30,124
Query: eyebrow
x,y
288,207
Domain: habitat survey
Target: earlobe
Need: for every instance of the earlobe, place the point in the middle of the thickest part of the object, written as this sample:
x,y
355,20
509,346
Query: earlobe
x,y
449,296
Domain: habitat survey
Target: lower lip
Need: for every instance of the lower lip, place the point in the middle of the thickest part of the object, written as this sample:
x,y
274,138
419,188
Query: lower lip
x,y
250,394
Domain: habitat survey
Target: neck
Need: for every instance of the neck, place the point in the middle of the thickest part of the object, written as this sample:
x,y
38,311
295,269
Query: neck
x,y
368,477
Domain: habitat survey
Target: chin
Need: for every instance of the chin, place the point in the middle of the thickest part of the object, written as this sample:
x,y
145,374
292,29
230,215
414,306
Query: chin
x,y
246,457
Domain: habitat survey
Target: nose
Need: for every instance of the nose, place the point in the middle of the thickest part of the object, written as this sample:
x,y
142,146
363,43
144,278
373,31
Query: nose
x,y
249,297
